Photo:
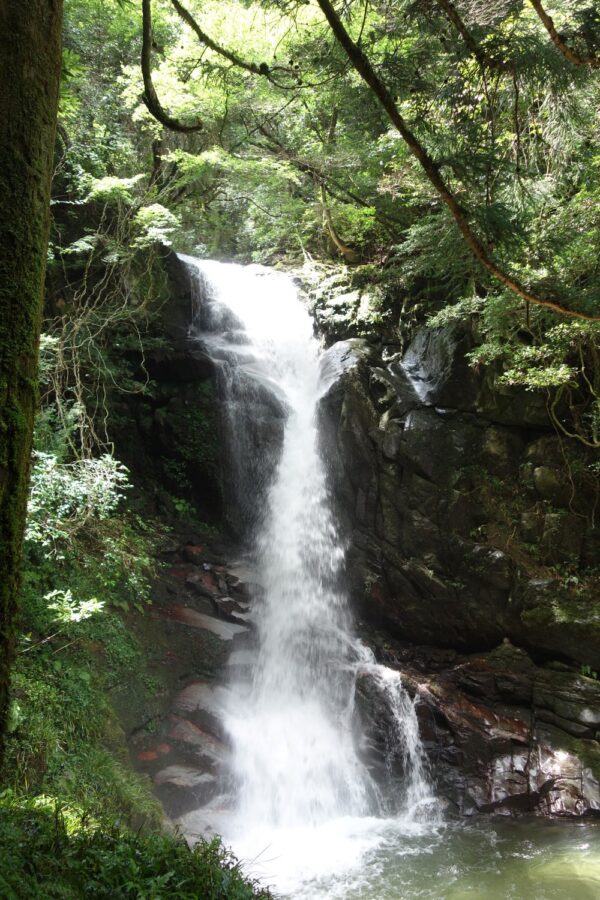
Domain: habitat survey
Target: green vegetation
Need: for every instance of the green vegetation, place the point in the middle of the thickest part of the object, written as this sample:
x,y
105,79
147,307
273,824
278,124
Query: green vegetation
x,y
297,158
51,850
86,560
75,819
427,163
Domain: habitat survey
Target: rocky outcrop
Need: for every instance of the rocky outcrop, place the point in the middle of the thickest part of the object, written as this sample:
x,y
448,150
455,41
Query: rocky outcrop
x,y
468,537
464,529
200,607
502,734
166,423
174,430
470,527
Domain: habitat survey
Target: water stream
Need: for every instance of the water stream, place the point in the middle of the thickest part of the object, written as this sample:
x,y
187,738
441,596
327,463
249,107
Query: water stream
x,y
303,804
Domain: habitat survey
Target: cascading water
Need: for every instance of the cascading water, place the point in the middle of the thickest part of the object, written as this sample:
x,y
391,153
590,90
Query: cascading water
x,y
305,802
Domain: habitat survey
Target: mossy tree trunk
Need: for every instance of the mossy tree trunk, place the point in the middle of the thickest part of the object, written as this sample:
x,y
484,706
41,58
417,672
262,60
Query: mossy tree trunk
x,y
30,61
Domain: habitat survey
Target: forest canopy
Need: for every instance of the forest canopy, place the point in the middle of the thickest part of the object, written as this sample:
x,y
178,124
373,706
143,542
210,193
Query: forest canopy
x,y
455,151
288,127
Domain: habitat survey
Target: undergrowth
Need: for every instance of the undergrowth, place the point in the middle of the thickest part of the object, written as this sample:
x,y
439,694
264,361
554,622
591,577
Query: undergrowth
x,y
76,821
52,850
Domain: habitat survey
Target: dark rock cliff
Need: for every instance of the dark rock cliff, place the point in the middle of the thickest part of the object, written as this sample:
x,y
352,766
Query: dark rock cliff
x,y
471,527
465,523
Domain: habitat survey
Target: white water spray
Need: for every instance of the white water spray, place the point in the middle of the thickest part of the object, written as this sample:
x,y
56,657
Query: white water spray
x,y
304,798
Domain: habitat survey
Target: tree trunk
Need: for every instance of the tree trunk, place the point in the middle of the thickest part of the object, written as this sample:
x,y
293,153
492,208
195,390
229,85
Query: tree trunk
x,y
350,255
30,62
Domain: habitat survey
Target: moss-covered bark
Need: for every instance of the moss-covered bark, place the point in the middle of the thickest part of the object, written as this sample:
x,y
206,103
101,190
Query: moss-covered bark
x,y
30,59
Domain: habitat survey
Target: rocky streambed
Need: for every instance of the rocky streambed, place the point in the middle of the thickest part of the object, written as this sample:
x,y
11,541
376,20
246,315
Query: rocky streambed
x,y
502,734
200,604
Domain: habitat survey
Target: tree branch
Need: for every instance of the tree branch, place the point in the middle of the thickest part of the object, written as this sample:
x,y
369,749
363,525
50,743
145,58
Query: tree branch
x,y
333,187
431,168
150,97
262,69
350,255
558,42
205,39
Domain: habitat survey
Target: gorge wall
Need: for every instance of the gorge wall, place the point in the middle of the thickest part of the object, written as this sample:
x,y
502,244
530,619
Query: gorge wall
x,y
466,520
472,554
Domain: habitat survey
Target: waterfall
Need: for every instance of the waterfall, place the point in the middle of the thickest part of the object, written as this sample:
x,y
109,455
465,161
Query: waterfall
x,y
299,774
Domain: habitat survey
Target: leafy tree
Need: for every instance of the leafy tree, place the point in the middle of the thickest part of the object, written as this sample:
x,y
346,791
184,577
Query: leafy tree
x,y
298,156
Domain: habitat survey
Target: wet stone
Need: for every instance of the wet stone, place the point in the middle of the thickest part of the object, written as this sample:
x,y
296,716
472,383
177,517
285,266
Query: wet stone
x,y
204,745
224,630
147,755
181,788
194,554
203,583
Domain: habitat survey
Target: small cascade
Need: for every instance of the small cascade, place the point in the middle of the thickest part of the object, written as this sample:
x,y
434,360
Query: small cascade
x,y
404,743
303,800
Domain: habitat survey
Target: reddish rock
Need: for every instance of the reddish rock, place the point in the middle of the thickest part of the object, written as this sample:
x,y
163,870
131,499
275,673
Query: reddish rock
x,y
194,554
207,746
164,748
224,630
186,731
504,735
181,573
204,583
147,756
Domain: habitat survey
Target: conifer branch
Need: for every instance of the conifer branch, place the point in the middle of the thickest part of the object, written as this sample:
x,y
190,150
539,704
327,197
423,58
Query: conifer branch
x,y
432,170
480,55
558,41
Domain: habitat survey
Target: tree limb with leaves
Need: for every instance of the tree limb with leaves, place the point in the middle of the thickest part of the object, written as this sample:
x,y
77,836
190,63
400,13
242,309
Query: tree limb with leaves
x,y
431,169
150,97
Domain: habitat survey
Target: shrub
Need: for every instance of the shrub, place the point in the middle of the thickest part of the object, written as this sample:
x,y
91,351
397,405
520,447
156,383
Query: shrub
x,y
50,850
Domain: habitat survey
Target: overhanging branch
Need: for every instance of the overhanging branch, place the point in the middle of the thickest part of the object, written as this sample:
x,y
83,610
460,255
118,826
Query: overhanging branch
x,y
559,43
229,55
150,97
431,169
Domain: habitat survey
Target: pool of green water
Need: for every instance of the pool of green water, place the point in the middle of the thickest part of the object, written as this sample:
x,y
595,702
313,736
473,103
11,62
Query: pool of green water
x,y
489,859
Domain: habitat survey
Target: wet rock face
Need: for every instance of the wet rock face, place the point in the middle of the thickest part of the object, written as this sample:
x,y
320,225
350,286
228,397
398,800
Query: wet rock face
x,y
179,435
503,735
462,516
251,430
465,528
167,430
200,603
